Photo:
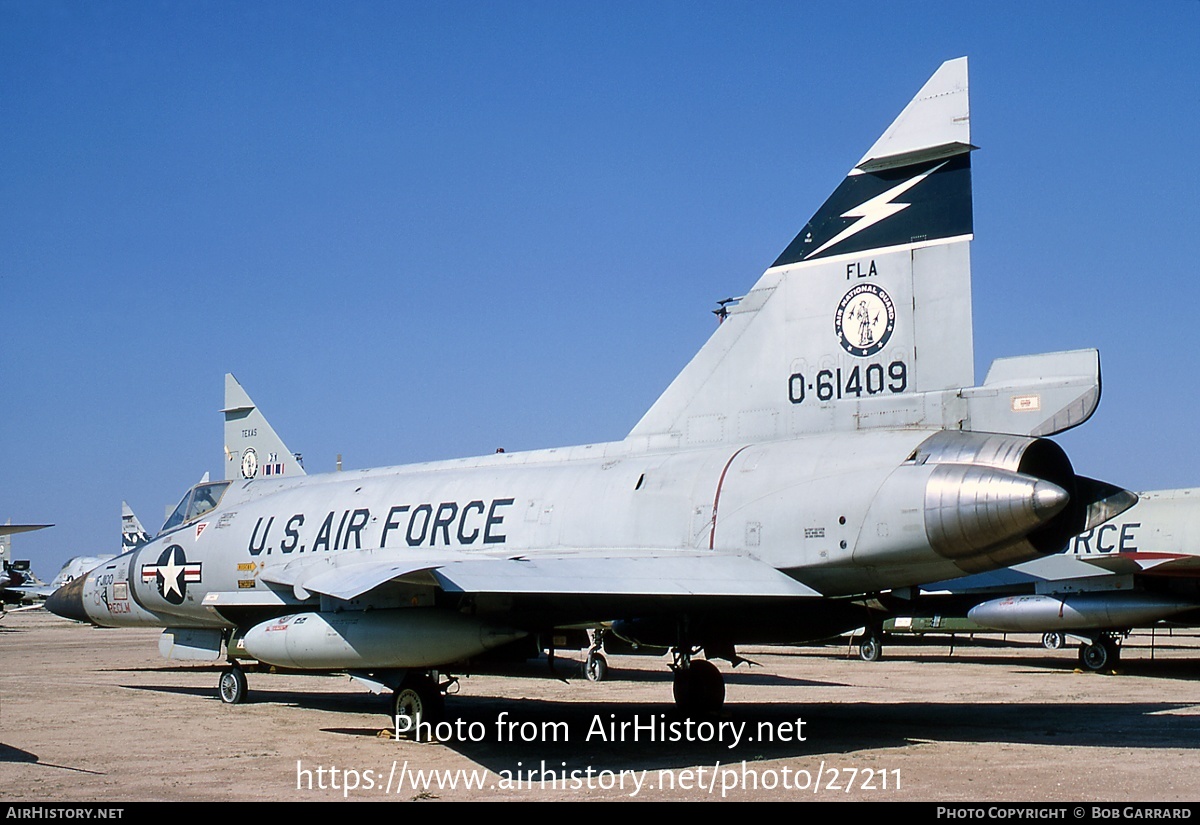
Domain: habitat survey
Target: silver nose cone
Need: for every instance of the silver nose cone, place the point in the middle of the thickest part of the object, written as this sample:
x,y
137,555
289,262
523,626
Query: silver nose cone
x,y
67,601
1048,499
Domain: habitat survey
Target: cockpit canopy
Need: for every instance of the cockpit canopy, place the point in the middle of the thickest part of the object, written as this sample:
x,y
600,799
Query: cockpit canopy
x,y
195,503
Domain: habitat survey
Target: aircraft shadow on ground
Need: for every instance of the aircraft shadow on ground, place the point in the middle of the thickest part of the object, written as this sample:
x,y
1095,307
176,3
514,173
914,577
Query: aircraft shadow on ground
x,y
554,733
602,734
10,754
13,755
363,702
656,672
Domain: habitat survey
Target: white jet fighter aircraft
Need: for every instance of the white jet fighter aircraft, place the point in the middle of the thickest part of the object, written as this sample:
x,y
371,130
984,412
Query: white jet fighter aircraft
x,y
827,441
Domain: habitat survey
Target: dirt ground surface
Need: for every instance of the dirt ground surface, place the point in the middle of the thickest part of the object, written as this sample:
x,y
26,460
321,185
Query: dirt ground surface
x,y
96,715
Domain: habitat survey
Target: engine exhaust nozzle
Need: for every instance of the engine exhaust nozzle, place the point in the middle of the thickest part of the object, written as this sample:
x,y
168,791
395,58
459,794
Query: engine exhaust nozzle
x,y
971,508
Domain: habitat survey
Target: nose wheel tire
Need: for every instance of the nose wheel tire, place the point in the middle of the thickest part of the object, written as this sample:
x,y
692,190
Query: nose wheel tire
x,y
1052,641
596,667
231,686
870,649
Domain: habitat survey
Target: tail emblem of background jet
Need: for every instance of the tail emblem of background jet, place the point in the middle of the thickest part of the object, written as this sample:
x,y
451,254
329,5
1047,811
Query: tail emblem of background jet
x,y
249,463
172,574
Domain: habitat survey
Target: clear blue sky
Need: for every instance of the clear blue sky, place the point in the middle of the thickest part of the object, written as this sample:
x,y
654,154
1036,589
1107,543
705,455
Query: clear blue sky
x,y
426,230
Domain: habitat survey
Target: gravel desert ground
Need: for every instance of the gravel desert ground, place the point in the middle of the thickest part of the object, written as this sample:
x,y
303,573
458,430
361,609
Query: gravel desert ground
x,y
96,715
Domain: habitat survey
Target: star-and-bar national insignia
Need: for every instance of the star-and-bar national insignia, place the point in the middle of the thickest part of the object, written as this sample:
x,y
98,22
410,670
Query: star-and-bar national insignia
x,y
172,574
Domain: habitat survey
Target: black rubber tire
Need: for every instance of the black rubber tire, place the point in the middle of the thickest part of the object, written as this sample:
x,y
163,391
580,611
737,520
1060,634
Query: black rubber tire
x,y
595,669
1095,656
870,649
231,686
1114,652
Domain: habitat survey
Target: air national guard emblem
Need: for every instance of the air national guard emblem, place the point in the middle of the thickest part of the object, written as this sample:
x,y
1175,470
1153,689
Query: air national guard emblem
x,y
172,574
249,463
864,320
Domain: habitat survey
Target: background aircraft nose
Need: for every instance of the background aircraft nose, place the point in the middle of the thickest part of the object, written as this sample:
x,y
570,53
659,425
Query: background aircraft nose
x,y
67,601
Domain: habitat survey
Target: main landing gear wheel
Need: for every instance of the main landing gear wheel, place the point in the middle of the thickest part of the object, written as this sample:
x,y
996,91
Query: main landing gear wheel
x,y
231,686
416,703
1053,641
596,667
699,688
870,649
1102,654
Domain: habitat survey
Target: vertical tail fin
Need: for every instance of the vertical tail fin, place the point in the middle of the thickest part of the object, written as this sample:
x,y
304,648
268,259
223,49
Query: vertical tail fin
x,y
252,449
133,534
865,313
